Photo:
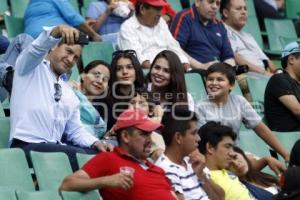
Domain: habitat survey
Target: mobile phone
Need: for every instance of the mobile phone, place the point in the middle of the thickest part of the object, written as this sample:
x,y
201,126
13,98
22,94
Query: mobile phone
x,y
83,39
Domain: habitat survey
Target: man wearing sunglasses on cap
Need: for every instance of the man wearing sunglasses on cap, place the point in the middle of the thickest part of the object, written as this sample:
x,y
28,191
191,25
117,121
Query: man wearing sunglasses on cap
x,y
43,106
282,95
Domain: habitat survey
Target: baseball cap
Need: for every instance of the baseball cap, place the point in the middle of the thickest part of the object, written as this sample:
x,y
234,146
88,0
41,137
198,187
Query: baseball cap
x,y
293,47
157,3
136,118
289,183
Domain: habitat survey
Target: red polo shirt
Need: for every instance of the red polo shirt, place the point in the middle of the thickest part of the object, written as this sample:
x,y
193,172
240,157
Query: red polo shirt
x,y
150,184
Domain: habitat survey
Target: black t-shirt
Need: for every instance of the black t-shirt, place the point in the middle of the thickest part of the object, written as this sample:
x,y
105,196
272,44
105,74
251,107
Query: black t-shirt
x,y
279,117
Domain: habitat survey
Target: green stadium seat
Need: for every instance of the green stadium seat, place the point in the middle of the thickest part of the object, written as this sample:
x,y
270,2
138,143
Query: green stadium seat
x,y
287,139
250,8
4,131
97,51
237,90
257,89
2,114
92,195
3,7
75,76
50,169
14,26
86,3
175,4
14,170
277,29
83,158
195,86
292,9
75,4
7,193
18,7
38,195
252,27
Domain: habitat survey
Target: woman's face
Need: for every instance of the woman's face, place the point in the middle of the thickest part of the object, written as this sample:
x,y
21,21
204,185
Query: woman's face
x,y
96,80
139,102
239,165
160,73
125,71
217,85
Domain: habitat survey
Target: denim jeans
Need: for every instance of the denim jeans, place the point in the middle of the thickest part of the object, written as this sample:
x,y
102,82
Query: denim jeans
x,y
9,58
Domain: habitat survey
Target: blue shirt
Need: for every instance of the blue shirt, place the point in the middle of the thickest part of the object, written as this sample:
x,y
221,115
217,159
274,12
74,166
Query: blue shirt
x,y
35,115
41,13
204,43
112,23
90,117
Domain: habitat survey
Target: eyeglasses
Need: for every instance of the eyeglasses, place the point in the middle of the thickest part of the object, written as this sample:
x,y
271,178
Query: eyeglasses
x,y
124,52
99,76
58,92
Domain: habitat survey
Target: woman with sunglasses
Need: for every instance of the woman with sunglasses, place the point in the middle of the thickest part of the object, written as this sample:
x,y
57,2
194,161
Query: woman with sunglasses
x,y
126,76
94,84
167,82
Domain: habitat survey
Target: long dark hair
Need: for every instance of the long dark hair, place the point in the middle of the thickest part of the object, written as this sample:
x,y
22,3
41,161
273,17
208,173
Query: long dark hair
x,y
177,81
254,176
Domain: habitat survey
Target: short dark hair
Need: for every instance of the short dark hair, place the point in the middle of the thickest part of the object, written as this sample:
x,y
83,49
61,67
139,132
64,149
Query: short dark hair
x,y
174,121
138,6
213,133
94,64
222,68
118,133
225,4
285,59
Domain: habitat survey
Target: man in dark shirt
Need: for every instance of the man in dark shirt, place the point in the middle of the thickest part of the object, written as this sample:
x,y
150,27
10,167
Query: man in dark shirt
x,y
282,95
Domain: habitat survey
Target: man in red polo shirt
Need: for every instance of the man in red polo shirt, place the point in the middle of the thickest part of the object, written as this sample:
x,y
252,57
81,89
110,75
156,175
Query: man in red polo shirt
x,y
143,180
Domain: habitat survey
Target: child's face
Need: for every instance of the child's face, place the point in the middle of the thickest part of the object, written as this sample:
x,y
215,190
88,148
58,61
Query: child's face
x,y
217,85
139,102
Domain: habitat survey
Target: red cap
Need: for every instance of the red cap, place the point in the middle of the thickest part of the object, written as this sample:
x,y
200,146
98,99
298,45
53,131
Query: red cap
x,y
138,119
156,3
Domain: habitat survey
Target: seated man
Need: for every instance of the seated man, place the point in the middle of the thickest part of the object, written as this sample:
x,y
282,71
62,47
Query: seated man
x,y
282,95
148,34
201,36
182,162
217,145
43,106
245,48
143,180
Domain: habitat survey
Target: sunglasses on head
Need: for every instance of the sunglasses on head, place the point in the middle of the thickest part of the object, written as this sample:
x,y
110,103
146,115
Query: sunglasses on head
x,y
58,92
124,52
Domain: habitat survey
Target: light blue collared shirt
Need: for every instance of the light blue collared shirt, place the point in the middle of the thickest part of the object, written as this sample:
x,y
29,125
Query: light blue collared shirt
x,y
35,115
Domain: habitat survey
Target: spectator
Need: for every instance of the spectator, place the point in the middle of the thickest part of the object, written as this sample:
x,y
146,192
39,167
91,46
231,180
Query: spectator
x,y
4,42
167,82
232,110
8,61
41,13
217,146
144,180
94,83
182,163
201,36
126,76
48,107
109,16
282,94
245,48
295,155
261,185
148,34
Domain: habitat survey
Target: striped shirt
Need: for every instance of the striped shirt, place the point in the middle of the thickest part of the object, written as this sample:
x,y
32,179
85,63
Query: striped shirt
x,y
183,180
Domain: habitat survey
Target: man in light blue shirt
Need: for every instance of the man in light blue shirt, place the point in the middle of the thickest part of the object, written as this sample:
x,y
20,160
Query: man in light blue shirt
x,y
43,106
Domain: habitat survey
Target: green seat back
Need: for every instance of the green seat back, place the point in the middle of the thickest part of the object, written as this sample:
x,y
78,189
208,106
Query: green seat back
x,y
252,27
83,158
2,114
278,29
75,76
237,90
3,7
50,169
250,8
92,195
75,5
86,3
38,195
195,86
18,7
4,131
292,8
250,142
175,4
14,170
14,26
287,139
7,193
97,51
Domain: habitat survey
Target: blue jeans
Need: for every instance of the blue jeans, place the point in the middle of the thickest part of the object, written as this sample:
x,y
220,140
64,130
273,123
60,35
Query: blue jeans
x,y
4,42
9,58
